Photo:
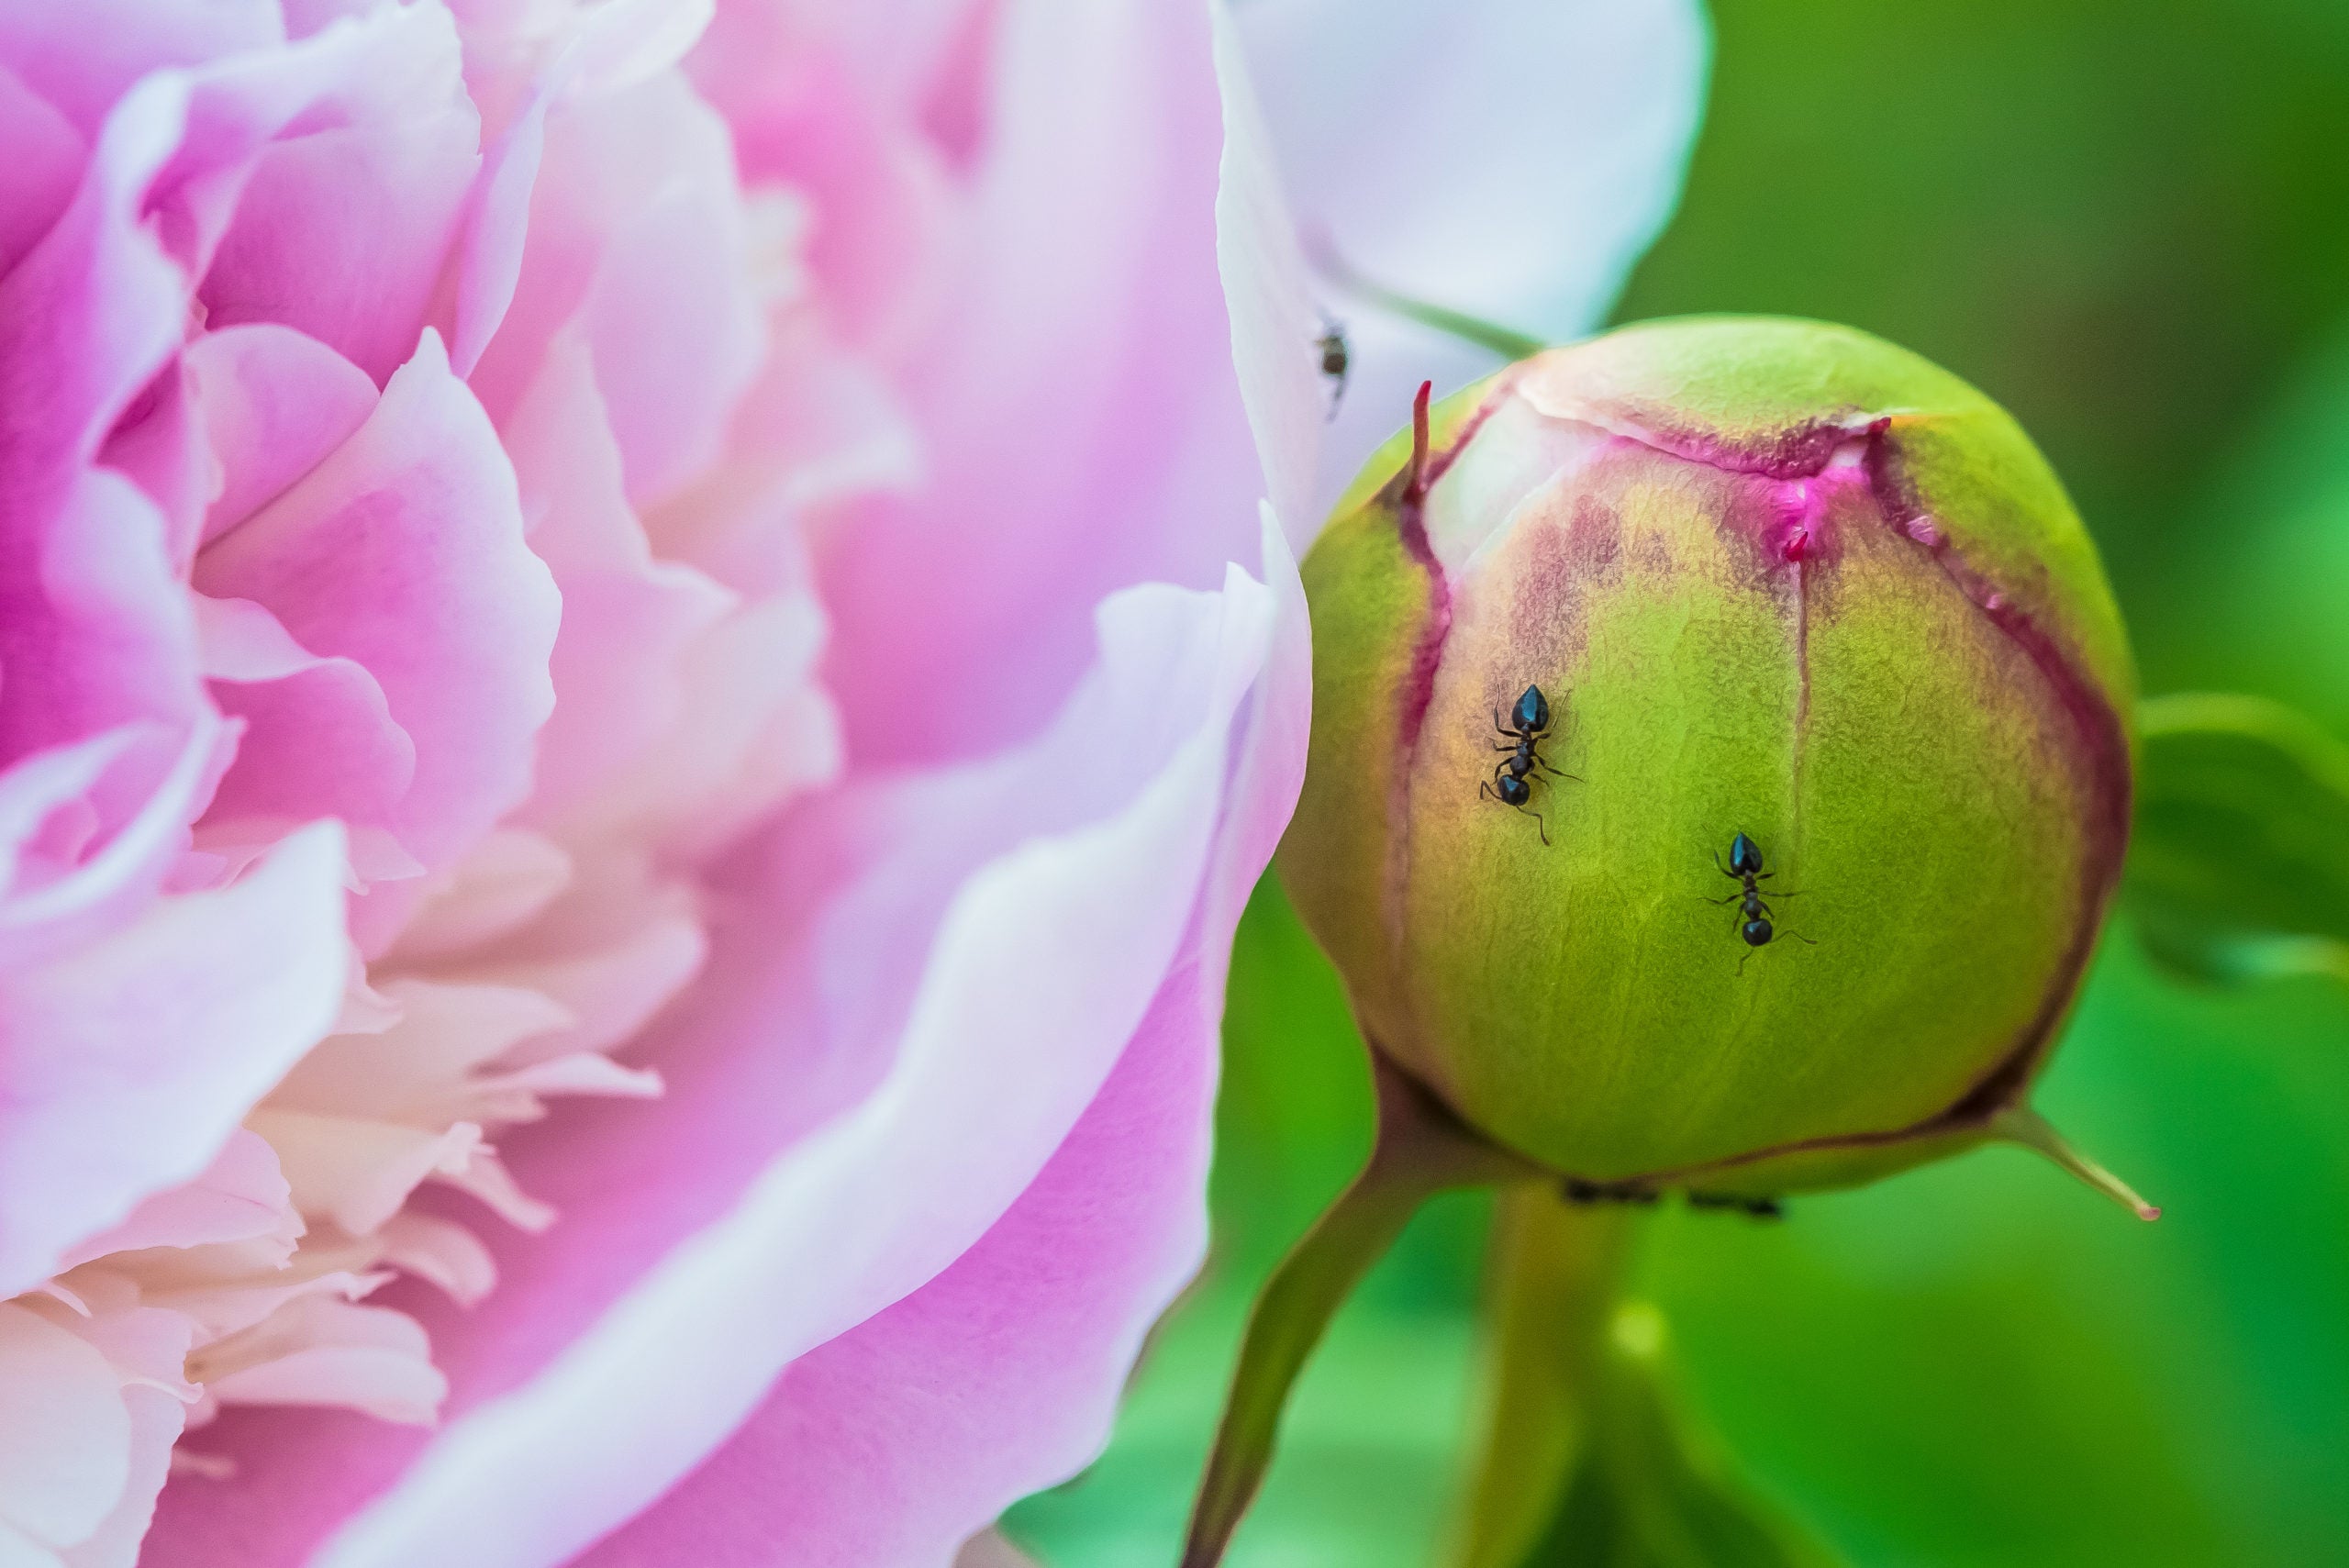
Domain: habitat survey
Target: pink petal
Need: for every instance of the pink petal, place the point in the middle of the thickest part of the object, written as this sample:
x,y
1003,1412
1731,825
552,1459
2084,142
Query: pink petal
x,y
158,445
65,1437
40,790
83,58
888,1446
275,403
44,164
151,1345
88,595
440,1033
319,737
92,636
357,1171
362,1358
620,659
108,883
404,553
1081,856
829,104
500,884
341,234
1086,423
496,225
635,234
239,1195
103,1109
443,1251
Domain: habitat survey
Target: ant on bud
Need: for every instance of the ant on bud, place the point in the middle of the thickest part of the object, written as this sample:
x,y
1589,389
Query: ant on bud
x,y
1745,866
1528,726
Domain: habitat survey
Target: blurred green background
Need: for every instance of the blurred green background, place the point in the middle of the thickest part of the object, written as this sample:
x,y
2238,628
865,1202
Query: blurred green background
x,y
2128,221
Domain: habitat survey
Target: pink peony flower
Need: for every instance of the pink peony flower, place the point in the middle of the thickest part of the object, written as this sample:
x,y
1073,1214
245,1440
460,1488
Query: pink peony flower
x,y
640,682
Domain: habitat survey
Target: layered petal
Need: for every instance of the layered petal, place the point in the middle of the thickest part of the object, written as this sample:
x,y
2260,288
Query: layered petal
x,y
1085,854
104,1107
402,552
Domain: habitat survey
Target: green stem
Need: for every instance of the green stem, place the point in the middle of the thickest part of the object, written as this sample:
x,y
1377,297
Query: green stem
x,y
1557,1269
1420,1150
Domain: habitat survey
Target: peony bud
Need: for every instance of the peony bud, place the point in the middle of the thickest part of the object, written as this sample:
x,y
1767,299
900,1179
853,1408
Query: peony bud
x,y
1720,760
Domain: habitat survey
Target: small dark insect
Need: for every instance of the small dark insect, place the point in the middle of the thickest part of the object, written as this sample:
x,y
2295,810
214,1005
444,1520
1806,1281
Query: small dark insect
x,y
1336,357
1754,913
1579,1191
1528,726
1754,1207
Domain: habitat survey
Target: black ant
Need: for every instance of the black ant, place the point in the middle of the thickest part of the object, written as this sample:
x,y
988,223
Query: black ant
x,y
1576,1190
1528,726
1745,866
1752,1207
1336,357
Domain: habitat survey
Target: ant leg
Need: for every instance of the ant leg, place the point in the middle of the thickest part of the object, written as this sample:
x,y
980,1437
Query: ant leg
x,y
1740,962
1806,941
1724,869
1724,898
1484,791
1538,822
1497,725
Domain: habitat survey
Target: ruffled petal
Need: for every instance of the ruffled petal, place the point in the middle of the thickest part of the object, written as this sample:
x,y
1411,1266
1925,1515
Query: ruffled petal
x,y
404,553
1085,854
103,1108
343,233
241,1196
274,404
64,1449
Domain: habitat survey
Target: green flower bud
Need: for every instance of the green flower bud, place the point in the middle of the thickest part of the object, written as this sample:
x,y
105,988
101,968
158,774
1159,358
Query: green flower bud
x,y
1770,578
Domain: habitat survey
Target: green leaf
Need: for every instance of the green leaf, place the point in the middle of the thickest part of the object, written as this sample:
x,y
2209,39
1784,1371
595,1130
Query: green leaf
x,y
2238,870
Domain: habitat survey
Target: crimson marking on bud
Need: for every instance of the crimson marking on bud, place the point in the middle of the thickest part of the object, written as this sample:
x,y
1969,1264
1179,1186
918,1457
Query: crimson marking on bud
x,y
2104,738
1420,473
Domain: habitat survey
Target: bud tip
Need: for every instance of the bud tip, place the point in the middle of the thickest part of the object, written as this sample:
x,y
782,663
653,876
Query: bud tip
x,y
1416,489
2022,1124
